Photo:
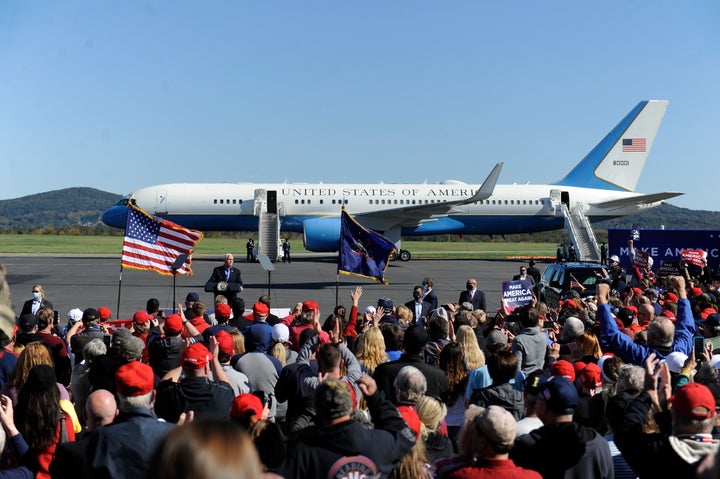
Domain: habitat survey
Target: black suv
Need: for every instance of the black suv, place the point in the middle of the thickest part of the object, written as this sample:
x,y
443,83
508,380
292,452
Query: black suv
x,y
560,278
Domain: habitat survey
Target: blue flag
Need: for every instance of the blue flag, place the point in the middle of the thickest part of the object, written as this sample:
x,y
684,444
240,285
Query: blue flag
x,y
363,252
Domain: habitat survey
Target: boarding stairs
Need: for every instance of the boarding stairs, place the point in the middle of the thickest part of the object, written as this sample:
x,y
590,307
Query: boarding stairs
x,y
581,234
268,227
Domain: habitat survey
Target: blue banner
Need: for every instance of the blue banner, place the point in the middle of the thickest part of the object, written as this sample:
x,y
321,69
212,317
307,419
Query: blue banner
x,y
363,252
517,293
665,246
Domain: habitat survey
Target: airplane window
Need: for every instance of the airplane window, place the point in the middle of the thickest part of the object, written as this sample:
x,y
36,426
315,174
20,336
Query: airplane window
x,y
413,201
302,202
297,201
506,201
309,201
322,202
512,202
346,201
234,202
383,202
396,202
239,202
215,201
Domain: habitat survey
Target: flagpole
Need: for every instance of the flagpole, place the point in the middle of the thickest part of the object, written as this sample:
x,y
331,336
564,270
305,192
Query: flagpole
x,y
117,311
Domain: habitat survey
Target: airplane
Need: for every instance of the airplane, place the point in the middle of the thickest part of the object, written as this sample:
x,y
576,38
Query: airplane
x,y
601,186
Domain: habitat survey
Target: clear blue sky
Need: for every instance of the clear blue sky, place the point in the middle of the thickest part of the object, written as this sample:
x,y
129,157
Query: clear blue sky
x,y
119,95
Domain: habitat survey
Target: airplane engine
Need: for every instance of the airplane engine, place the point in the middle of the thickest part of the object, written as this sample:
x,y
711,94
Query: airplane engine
x,y
321,234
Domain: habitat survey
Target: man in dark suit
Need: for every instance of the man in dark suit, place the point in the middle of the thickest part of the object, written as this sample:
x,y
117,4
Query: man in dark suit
x,y
472,295
32,306
429,294
227,279
419,307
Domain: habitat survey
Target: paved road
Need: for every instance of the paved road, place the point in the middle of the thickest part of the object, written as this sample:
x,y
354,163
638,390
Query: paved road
x,y
93,281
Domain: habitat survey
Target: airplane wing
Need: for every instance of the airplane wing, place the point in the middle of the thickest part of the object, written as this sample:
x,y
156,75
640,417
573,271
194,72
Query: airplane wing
x,y
414,215
637,200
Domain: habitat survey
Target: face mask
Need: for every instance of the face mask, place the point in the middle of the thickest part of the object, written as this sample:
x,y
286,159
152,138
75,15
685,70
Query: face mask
x,y
36,295
417,294
469,287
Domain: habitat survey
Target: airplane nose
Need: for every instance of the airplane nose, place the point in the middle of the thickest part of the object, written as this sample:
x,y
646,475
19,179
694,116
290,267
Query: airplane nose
x,y
115,217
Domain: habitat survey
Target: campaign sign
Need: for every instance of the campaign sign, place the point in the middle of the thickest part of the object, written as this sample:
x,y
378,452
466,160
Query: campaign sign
x,y
666,245
641,258
694,256
669,268
517,293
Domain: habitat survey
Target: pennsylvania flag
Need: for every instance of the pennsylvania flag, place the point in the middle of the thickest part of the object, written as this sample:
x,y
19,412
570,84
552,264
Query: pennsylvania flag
x,y
154,244
363,252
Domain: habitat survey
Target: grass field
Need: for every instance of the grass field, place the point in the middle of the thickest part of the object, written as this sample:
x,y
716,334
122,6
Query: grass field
x,y
46,244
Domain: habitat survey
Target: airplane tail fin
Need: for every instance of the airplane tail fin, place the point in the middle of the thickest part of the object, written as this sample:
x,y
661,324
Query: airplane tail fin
x,y
618,160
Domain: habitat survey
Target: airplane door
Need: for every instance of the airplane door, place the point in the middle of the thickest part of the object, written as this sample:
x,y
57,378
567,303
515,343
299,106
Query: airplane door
x,y
565,198
272,201
161,202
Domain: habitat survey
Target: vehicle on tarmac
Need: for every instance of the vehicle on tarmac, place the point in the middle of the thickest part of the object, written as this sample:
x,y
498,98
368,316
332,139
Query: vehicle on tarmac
x,y
560,279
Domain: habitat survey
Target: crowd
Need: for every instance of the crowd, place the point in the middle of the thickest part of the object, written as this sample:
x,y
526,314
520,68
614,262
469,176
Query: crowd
x,y
621,384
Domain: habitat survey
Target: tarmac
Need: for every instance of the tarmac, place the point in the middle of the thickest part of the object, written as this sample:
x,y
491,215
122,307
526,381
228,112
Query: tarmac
x,y
80,281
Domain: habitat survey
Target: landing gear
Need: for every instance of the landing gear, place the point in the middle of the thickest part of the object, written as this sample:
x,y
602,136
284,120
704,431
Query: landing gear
x,y
404,255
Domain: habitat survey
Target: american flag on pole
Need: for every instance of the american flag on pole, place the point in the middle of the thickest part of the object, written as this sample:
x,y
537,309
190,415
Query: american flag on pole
x,y
630,145
154,244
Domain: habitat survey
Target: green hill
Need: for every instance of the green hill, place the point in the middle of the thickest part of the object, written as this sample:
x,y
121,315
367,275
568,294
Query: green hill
x,y
56,209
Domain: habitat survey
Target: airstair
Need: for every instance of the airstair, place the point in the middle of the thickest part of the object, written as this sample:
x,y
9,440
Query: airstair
x,y
268,224
580,232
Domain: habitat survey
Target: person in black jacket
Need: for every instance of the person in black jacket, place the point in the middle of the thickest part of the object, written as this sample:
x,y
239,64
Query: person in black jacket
x,y
31,306
562,448
414,341
340,446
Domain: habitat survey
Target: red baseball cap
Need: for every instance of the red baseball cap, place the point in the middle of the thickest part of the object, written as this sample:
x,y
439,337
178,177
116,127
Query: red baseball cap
x,y
173,324
134,379
694,401
591,376
563,368
260,308
310,306
196,356
570,303
225,342
104,313
223,311
695,291
142,317
246,405
670,297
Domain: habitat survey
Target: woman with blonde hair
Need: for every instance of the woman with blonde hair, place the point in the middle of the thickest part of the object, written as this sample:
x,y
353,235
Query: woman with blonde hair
x,y
371,350
432,412
404,316
474,357
587,346
238,341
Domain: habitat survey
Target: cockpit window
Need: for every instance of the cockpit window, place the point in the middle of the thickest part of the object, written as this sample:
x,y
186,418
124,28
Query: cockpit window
x,y
126,201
